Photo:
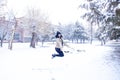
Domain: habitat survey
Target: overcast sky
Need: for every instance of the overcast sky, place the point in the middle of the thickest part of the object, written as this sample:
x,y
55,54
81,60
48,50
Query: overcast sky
x,y
63,11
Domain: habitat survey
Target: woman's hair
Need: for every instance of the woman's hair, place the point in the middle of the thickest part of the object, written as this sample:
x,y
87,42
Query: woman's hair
x,y
58,34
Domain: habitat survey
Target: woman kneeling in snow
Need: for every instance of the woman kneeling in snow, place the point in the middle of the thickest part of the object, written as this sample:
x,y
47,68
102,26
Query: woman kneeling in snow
x,y
59,45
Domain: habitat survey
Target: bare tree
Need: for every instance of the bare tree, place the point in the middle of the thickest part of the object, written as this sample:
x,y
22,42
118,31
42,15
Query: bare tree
x,y
3,30
12,31
45,31
38,25
3,21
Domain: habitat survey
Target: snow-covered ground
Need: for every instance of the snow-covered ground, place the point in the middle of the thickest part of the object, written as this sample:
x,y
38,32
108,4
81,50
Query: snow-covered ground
x,y
89,63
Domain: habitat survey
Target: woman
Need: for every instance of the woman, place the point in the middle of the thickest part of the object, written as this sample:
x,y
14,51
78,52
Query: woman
x,y
59,45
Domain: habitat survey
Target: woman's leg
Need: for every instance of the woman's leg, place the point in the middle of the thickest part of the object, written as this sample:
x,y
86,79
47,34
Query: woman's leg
x,y
60,53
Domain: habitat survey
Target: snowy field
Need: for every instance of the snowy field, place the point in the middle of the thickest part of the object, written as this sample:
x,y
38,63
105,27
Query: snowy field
x,y
25,63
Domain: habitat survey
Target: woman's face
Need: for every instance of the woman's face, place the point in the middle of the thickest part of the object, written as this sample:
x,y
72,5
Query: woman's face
x,y
60,36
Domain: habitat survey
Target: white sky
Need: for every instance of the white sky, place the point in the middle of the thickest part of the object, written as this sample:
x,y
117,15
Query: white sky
x,y
63,11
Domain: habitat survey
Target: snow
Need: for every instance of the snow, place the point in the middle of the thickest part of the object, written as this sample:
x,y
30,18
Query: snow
x,y
25,63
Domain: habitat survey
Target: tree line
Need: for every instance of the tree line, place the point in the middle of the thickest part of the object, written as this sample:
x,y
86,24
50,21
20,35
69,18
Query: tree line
x,y
104,14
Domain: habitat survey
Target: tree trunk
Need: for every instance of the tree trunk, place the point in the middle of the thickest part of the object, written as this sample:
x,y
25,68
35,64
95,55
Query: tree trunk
x,y
1,43
33,40
10,46
42,42
91,37
2,39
